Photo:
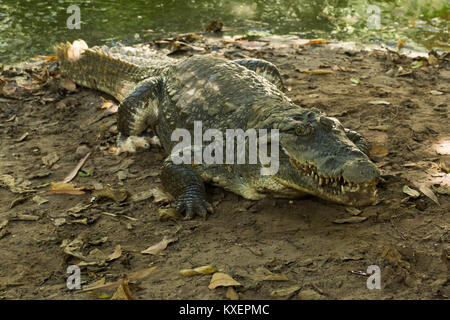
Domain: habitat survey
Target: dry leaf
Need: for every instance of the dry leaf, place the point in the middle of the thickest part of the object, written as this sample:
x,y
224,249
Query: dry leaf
x,y
410,192
75,170
166,214
132,278
39,200
161,196
285,292
318,72
350,220
123,292
220,279
353,211
380,102
232,294
159,247
116,254
429,193
199,270
68,84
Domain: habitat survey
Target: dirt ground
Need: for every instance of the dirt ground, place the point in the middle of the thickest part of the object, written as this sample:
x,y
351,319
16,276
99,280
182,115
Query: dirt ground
x,y
315,249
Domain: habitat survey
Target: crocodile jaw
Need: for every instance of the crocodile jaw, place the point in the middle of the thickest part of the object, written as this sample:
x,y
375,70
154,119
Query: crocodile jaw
x,y
332,188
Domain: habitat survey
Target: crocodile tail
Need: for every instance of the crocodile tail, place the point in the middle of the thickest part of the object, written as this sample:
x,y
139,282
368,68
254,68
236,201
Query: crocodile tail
x,y
99,68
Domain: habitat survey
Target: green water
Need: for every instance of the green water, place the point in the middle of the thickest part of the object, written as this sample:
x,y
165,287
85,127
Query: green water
x,y
32,27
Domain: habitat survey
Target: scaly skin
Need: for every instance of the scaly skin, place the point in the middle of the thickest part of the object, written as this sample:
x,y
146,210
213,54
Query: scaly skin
x,y
317,155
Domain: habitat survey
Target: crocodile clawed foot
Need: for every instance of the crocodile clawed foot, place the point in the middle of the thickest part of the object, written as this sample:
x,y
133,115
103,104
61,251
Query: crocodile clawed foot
x,y
193,206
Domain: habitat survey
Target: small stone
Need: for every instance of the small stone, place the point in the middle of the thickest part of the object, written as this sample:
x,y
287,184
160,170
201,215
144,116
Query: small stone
x,y
81,151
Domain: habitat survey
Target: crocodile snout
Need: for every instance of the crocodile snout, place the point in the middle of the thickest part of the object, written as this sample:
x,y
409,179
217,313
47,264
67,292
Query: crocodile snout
x,y
360,171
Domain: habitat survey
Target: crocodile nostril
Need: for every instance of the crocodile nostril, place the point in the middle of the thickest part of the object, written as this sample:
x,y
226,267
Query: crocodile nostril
x,y
360,171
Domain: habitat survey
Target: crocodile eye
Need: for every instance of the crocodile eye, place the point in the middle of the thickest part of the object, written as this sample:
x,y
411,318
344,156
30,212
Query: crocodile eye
x,y
303,130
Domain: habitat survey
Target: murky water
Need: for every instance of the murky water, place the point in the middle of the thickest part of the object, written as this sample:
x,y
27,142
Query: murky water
x,y
32,27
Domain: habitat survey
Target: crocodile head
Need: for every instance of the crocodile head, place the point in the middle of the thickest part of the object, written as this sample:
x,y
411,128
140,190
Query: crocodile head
x,y
320,157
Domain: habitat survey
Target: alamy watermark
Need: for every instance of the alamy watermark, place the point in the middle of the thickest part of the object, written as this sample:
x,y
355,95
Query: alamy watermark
x,y
374,20
374,281
192,152
74,280
74,20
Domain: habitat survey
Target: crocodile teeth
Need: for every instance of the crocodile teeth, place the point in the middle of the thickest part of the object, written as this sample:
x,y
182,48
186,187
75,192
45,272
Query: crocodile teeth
x,y
342,189
320,181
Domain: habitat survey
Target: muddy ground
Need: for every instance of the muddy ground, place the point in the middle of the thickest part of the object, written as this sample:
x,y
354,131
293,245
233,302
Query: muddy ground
x,y
399,104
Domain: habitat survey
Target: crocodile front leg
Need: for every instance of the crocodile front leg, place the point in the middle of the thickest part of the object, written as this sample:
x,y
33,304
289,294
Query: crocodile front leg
x,y
263,68
137,112
187,187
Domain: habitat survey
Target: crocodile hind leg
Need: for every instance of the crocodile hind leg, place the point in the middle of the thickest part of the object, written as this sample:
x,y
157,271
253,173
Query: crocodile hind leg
x,y
263,68
137,112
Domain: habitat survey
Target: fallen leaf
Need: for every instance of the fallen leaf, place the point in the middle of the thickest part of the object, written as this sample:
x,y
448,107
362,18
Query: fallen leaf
x,y
166,214
353,211
100,295
410,192
197,271
159,247
118,195
132,278
285,292
23,137
39,200
25,217
318,72
355,80
308,294
400,44
379,151
263,274
316,42
429,193
161,196
353,219
59,221
63,187
75,170
17,201
123,292
116,254
68,84
220,279
443,189
232,294
380,102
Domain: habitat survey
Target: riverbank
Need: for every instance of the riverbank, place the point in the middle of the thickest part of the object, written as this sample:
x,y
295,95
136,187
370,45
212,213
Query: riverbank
x,y
322,250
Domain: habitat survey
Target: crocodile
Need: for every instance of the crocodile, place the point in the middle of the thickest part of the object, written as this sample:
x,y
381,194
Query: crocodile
x,y
317,155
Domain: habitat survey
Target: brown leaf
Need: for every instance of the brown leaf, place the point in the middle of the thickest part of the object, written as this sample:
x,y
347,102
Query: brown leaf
x,y
68,84
116,254
318,72
232,294
75,170
429,193
220,279
161,196
123,292
159,247
354,219
285,292
197,271
132,278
